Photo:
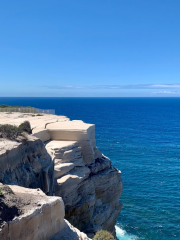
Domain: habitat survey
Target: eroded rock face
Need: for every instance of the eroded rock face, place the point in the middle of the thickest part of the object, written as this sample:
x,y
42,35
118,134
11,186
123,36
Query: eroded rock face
x,y
86,180
29,214
91,196
26,164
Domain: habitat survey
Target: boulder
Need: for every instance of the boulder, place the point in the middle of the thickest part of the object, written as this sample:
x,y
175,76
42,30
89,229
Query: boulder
x,y
29,214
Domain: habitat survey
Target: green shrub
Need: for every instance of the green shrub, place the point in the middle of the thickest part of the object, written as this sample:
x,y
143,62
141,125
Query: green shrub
x,y
103,235
12,132
25,127
9,131
4,106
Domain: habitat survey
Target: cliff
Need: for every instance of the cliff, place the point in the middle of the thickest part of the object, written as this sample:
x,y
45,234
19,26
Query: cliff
x,y
85,179
28,214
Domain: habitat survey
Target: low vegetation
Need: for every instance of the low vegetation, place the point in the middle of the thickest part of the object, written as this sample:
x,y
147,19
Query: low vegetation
x,y
37,115
12,132
10,109
25,127
7,106
103,235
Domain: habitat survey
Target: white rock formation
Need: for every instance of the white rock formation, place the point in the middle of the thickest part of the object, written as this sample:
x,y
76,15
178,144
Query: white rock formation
x,y
85,179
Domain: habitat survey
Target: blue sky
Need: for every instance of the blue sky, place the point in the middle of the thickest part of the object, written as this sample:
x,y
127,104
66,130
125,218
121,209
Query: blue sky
x,y
98,48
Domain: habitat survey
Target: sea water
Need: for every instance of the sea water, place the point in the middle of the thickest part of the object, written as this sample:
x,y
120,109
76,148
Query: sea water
x,y
141,136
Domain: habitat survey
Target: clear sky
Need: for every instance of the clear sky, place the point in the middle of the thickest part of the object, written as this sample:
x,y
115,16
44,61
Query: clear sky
x,y
68,48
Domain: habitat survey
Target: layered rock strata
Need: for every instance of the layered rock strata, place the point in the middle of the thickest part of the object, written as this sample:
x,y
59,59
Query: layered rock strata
x,y
26,164
85,179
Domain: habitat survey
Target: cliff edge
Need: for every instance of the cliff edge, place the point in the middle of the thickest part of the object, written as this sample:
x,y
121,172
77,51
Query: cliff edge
x,y
82,176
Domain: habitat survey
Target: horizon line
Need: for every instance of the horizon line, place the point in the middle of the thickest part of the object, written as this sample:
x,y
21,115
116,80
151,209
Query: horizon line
x,y
91,97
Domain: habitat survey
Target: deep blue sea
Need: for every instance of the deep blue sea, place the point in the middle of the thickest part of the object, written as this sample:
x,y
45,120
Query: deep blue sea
x,y
141,136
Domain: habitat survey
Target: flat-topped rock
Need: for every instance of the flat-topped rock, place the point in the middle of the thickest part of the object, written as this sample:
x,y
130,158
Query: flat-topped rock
x,y
67,155
82,133
74,177
62,168
64,150
61,145
71,130
71,125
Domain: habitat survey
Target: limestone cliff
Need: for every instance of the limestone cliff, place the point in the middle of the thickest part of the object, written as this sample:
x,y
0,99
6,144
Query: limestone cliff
x,y
85,179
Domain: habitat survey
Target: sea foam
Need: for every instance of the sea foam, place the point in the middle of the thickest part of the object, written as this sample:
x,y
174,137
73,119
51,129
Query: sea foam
x,y
123,235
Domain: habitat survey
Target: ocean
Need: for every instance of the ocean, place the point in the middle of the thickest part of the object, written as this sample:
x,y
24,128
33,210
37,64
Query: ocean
x,y
141,136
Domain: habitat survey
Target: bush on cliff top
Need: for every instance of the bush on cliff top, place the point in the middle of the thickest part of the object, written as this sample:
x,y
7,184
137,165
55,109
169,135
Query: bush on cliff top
x,y
25,127
9,131
103,235
12,132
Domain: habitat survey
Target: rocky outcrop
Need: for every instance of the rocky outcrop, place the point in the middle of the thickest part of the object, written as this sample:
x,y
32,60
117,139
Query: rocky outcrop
x,y
28,214
69,232
91,199
85,179
26,164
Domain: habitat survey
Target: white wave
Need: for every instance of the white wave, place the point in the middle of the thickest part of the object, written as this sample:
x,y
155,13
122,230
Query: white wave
x,y
123,235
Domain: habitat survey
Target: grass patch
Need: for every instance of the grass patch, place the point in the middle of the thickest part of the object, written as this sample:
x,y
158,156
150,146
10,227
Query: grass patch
x,y
12,132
